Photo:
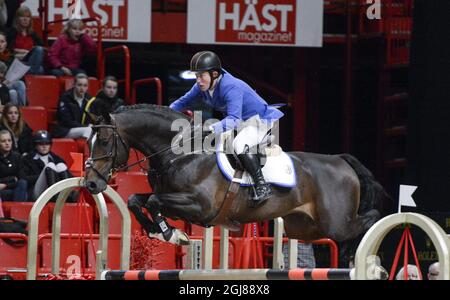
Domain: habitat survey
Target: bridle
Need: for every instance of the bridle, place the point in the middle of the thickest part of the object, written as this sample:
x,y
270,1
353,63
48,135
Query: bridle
x,y
112,154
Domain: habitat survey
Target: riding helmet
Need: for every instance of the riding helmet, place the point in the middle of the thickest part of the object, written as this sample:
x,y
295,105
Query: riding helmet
x,y
42,136
205,61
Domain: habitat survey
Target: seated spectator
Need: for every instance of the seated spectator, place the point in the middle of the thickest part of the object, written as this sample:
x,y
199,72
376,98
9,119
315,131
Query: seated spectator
x,y
433,271
43,168
17,89
25,44
413,273
12,187
12,120
71,111
8,9
68,51
4,90
106,100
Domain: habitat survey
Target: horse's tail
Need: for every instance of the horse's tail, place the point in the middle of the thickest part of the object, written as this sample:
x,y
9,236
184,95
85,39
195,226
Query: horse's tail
x,y
372,193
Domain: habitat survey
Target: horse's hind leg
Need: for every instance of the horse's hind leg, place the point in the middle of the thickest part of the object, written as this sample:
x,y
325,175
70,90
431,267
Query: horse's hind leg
x,y
135,203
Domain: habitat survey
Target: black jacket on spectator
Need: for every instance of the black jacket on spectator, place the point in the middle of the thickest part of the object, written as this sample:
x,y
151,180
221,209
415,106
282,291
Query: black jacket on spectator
x,y
25,143
11,38
4,94
103,105
32,168
69,114
10,167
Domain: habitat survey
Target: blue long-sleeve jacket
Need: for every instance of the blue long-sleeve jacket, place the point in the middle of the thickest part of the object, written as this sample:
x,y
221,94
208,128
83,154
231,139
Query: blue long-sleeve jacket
x,y
234,98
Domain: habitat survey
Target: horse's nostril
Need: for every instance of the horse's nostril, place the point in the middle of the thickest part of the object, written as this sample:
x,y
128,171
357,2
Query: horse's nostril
x,y
91,185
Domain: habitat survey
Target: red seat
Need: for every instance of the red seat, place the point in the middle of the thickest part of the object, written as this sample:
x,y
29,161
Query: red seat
x,y
75,219
42,90
129,183
113,254
35,116
12,256
71,253
21,211
63,147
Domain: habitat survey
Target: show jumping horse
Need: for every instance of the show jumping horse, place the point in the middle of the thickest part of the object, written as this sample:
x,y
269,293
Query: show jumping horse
x,y
335,196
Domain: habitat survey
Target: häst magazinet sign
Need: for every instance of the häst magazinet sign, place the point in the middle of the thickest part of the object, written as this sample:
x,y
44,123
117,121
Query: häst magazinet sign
x,y
256,22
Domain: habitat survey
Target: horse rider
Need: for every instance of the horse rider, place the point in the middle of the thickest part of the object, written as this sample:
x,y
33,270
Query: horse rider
x,y
238,102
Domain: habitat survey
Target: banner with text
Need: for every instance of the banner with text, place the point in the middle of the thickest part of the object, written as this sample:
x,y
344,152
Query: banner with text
x,y
256,22
122,20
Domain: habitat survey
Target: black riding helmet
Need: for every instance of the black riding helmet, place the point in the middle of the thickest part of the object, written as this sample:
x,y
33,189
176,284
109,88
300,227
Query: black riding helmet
x,y
42,136
206,61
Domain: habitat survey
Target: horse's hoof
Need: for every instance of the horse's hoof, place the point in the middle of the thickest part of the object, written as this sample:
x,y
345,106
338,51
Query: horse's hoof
x,y
179,238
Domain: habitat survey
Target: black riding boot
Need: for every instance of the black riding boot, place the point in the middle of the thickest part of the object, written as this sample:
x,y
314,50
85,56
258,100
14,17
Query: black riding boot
x,y
251,164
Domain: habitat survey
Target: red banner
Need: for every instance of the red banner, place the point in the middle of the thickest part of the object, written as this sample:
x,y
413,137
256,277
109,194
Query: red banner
x,y
113,15
256,21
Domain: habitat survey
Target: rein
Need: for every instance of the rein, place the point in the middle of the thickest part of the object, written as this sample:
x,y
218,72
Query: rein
x,y
113,153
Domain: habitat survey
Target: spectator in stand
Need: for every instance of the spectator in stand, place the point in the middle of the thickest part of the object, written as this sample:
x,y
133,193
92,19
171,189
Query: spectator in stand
x,y
12,187
22,135
413,273
433,271
25,44
106,100
71,115
8,9
67,53
42,168
4,90
17,89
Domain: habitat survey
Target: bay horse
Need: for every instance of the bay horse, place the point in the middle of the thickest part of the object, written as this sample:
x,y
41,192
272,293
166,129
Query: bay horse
x,y
335,196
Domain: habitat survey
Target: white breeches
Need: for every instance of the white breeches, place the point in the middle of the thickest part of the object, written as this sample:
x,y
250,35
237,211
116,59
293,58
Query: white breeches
x,y
79,132
253,133
41,184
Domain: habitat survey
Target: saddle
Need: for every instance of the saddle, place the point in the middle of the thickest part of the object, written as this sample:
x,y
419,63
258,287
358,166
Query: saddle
x,y
277,167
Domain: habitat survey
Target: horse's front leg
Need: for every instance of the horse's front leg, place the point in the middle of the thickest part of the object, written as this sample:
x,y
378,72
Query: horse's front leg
x,y
165,231
135,204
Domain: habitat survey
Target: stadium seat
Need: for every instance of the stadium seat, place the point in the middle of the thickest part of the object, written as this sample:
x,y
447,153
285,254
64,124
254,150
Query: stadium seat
x,y
12,256
70,219
35,116
71,249
21,211
129,183
63,148
42,91
113,254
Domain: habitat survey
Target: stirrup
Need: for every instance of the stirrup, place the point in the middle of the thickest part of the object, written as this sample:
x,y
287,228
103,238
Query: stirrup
x,y
258,200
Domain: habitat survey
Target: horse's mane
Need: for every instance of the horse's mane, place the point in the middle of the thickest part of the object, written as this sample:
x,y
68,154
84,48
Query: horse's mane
x,y
162,111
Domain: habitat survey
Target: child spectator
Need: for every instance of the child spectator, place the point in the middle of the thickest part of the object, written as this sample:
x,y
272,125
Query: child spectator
x,y
71,111
43,168
67,53
106,100
12,187
21,133
17,89
25,43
